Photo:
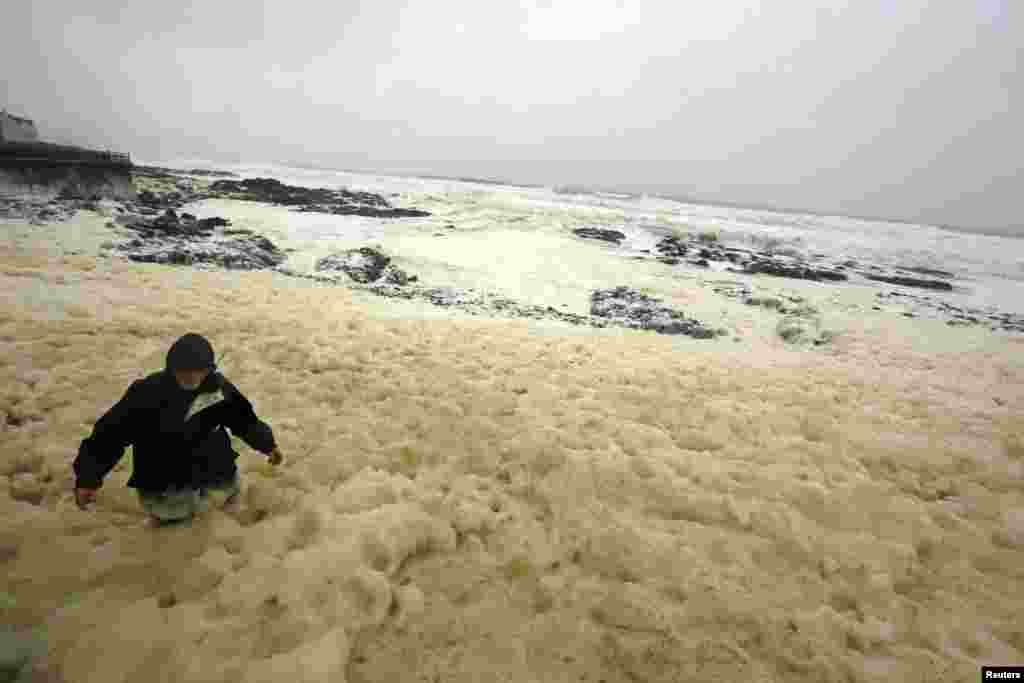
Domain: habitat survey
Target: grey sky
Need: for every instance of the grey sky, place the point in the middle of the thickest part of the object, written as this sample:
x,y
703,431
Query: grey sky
x,y
908,109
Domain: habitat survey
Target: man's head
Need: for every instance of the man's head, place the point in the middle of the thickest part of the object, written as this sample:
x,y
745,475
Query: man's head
x,y
191,361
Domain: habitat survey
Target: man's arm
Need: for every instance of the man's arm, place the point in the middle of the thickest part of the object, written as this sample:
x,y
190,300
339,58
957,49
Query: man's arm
x,y
103,449
242,422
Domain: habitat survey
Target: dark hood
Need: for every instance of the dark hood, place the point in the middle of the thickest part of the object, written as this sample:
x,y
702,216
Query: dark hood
x,y
191,352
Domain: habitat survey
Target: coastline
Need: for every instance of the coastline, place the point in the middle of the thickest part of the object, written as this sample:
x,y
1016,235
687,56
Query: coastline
x,y
451,469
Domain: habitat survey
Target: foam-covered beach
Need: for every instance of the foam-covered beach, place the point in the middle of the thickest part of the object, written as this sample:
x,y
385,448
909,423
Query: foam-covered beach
x,y
476,497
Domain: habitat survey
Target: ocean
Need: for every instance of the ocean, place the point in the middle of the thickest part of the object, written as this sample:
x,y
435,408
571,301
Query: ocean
x,y
989,270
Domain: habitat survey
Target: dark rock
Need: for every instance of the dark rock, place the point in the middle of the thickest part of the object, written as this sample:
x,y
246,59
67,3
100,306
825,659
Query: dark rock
x,y
202,172
320,200
371,212
214,222
613,236
150,200
799,272
671,247
668,260
146,197
929,271
169,239
636,310
699,262
365,265
242,253
912,282
168,220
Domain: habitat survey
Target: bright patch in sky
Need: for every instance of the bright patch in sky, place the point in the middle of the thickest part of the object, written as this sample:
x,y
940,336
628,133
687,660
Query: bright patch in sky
x,y
576,20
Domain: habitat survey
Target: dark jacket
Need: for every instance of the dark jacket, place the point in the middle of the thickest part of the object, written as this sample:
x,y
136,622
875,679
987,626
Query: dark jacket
x,y
177,435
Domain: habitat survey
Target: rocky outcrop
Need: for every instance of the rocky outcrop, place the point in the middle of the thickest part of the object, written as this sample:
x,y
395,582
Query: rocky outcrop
x,y
636,310
364,265
801,272
321,200
39,211
912,282
613,236
928,271
184,240
213,174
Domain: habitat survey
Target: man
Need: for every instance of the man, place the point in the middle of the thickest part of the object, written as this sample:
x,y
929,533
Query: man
x,y
175,420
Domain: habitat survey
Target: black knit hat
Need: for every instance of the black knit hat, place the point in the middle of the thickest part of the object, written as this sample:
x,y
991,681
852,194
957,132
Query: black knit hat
x,y
190,352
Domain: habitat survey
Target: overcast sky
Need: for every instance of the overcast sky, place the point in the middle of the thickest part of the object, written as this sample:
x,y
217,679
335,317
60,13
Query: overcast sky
x,y
907,109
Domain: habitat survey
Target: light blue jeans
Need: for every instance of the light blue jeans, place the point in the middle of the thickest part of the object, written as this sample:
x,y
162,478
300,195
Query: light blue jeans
x,y
183,503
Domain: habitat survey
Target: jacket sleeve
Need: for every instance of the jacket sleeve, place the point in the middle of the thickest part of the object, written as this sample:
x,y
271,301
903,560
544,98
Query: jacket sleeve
x,y
103,449
242,421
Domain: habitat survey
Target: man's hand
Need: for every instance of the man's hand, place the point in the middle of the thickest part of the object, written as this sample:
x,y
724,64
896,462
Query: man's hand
x,y
85,496
275,457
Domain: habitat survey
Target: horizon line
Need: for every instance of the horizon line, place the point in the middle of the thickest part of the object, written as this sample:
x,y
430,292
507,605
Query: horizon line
x,y
1003,231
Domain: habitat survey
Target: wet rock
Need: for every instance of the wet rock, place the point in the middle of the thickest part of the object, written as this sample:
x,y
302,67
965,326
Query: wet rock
x,y
911,282
176,240
928,271
671,247
149,202
794,271
239,254
613,236
637,310
169,223
39,211
365,265
319,200
220,174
